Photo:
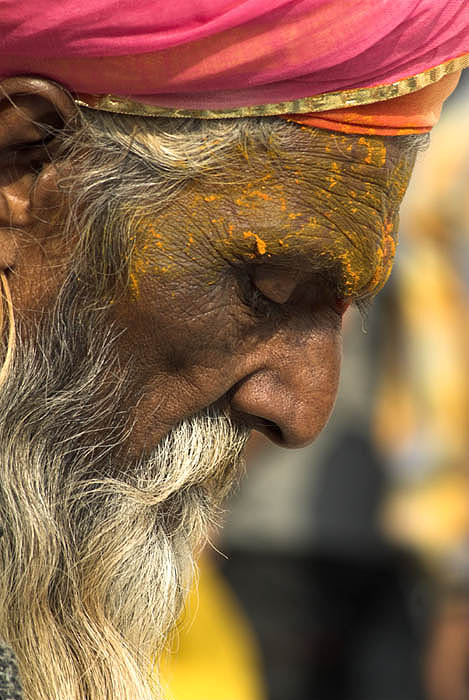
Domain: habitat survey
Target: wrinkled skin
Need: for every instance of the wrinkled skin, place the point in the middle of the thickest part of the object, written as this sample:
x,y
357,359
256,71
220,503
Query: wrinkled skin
x,y
228,302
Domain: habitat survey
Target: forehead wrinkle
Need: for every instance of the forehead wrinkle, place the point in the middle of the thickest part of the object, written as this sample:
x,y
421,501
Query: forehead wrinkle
x,y
269,211
314,216
319,240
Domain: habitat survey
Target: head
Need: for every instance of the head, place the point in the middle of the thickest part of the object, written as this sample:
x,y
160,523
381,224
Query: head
x,y
169,285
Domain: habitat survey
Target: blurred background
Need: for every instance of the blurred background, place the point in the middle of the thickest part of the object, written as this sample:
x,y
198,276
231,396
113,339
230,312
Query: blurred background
x,y
345,566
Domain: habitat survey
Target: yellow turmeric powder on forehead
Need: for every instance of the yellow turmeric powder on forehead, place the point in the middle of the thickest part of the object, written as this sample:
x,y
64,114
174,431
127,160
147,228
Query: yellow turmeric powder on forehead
x,y
333,203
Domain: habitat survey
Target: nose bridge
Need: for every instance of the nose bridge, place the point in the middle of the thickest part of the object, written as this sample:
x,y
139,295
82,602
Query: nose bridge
x,y
295,387
308,383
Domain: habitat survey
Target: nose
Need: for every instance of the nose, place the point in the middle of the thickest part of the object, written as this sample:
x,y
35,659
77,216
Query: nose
x,y
290,396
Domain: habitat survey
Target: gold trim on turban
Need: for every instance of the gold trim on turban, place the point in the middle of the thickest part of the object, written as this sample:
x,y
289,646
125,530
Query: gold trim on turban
x,y
316,103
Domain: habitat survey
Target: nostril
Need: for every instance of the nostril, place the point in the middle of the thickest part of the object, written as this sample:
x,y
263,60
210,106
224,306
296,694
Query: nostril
x,y
263,425
268,428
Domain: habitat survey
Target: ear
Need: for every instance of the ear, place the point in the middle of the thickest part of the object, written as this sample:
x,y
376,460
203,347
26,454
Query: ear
x,y
31,112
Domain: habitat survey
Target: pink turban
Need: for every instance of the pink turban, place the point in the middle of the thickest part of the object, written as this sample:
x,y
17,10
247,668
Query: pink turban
x,y
227,58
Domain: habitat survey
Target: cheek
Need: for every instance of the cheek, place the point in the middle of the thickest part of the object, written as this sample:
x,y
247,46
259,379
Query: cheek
x,y
176,324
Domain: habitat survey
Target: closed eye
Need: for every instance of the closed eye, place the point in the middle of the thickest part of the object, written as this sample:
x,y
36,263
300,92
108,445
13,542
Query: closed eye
x,y
258,303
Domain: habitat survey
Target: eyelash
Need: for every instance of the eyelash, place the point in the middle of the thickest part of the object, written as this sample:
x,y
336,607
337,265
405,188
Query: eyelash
x,y
259,304
251,297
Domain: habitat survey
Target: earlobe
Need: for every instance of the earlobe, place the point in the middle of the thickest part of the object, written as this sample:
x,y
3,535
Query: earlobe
x,y
32,110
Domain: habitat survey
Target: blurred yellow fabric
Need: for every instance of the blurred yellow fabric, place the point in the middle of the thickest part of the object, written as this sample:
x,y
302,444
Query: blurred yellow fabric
x,y
431,516
214,654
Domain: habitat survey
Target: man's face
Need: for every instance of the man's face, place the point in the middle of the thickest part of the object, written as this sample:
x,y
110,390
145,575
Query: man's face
x,y
237,286
237,291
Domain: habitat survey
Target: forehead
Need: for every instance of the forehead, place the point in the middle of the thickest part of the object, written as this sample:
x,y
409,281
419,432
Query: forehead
x,y
328,203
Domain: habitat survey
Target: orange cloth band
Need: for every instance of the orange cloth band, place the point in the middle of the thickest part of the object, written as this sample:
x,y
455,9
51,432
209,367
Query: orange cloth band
x,y
414,113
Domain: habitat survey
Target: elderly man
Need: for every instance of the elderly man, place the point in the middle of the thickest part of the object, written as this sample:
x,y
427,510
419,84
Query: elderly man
x,y
192,194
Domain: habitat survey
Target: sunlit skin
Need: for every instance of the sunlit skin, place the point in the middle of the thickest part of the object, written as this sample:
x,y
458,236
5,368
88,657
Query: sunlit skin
x,y
237,290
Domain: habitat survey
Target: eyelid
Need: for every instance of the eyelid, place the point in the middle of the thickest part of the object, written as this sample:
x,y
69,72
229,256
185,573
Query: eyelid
x,y
277,285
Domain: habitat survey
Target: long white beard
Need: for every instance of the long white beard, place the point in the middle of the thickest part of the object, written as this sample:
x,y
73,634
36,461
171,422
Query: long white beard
x,y
96,554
